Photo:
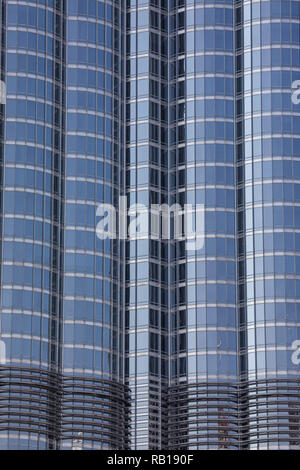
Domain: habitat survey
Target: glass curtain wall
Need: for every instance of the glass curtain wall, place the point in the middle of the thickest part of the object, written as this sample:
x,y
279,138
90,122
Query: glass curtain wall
x,y
205,408
146,183
268,128
32,165
163,103
62,318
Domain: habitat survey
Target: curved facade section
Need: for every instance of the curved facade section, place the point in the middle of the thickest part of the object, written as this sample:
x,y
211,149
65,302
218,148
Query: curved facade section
x,y
93,149
272,409
70,410
210,181
93,303
30,401
209,281
32,207
61,289
268,138
95,414
204,415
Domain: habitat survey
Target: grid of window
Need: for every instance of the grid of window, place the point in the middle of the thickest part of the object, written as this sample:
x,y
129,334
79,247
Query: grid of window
x,y
166,102
93,301
61,285
147,183
267,179
32,198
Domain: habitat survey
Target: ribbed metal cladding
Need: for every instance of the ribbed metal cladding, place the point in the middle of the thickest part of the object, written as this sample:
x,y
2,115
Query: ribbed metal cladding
x,y
95,411
262,414
203,415
64,410
273,410
30,401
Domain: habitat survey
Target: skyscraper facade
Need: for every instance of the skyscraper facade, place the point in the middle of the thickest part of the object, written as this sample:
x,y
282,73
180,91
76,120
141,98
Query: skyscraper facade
x,y
130,339
62,317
